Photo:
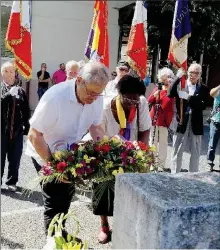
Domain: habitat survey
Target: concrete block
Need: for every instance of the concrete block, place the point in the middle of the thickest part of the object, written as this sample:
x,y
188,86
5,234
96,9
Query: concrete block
x,y
164,211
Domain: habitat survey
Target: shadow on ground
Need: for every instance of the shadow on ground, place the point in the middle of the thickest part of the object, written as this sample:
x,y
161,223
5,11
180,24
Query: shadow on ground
x,y
24,195
11,244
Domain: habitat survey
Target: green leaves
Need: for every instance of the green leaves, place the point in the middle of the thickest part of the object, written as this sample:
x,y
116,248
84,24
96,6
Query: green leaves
x,y
56,226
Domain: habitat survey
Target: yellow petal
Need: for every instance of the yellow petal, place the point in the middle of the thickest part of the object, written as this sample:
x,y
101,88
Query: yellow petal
x,y
121,170
115,172
105,138
85,157
81,148
73,171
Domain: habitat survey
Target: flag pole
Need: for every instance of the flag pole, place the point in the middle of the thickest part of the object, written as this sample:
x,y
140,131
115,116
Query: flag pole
x,y
181,31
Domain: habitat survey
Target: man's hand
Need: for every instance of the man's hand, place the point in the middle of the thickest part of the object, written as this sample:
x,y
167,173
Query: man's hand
x,y
96,132
183,95
180,73
14,91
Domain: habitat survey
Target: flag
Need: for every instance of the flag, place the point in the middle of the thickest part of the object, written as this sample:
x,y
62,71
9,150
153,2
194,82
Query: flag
x,y
18,37
97,47
137,41
179,40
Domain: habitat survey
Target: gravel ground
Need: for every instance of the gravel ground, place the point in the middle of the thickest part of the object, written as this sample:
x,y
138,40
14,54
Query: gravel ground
x,y
22,215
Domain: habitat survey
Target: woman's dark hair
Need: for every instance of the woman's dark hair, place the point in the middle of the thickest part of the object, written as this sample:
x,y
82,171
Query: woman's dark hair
x,y
131,85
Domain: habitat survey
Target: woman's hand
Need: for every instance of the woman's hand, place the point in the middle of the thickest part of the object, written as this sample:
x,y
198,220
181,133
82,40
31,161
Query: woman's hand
x,y
156,94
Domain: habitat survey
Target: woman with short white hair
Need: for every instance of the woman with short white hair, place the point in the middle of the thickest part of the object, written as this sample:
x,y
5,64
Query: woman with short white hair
x,y
161,114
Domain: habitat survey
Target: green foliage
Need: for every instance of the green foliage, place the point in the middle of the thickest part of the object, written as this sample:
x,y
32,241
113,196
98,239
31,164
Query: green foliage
x,y
5,14
205,25
56,226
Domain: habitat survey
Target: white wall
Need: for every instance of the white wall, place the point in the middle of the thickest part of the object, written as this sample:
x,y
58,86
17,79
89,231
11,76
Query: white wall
x,y
59,32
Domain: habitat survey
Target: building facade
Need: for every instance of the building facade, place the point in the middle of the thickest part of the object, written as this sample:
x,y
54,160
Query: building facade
x,y
59,33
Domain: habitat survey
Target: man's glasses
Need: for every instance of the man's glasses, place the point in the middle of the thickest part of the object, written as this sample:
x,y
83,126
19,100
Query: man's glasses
x,y
91,93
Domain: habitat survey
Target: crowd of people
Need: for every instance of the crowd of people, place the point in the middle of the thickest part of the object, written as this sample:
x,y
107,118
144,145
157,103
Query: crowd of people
x,y
86,98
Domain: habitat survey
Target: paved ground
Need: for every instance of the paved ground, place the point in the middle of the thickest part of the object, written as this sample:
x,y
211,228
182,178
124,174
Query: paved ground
x,y
21,216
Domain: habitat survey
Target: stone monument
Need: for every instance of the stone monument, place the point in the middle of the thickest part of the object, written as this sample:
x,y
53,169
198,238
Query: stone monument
x,y
164,211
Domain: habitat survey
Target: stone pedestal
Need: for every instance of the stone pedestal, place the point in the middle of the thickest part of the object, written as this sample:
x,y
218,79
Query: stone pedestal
x,y
164,211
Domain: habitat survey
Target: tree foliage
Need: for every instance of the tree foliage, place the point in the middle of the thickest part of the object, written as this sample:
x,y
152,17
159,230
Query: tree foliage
x,y
205,26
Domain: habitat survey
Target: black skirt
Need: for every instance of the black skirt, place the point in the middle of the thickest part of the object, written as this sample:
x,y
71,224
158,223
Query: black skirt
x,y
103,198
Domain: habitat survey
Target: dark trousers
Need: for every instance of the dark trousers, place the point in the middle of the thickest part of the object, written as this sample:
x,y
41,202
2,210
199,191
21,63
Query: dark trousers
x,y
214,136
41,92
13,150
57,197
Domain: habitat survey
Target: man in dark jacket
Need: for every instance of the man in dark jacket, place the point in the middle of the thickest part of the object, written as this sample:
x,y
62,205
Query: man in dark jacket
x,y
189,117
15,114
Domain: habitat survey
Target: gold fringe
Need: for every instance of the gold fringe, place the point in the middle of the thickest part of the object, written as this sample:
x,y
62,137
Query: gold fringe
x,y
21,62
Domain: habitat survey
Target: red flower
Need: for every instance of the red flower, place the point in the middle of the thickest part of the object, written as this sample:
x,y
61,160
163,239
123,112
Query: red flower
x,y
97,148
129,145
88,170
74,146
105,148
70,158
142,146
61,166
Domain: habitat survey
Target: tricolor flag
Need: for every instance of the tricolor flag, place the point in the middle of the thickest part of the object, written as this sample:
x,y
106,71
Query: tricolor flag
x,y
137,41
180,34
97,47
18,37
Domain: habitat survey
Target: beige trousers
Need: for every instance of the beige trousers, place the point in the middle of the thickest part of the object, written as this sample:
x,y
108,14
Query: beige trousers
x,y
160,143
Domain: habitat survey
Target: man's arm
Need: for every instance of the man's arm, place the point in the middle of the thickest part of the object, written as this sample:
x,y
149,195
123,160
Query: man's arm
x,y
172,90
41,77
37,140
215,91
96,132
46,80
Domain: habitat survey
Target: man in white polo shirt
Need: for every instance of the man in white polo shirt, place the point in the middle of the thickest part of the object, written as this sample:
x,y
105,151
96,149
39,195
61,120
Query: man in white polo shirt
x,y
65,113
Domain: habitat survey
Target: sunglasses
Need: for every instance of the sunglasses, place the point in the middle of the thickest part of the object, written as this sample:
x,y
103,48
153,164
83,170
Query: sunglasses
x,y
91,93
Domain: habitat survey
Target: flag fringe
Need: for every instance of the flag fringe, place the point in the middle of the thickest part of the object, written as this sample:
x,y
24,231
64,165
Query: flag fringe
x,y
18,59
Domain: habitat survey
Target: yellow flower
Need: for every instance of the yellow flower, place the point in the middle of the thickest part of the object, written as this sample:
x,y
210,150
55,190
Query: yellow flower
x,y
73,171
115,172
105,138
79,165
115,139
139,154
58,155
86,158
121,170
108,164
152,148
81,148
